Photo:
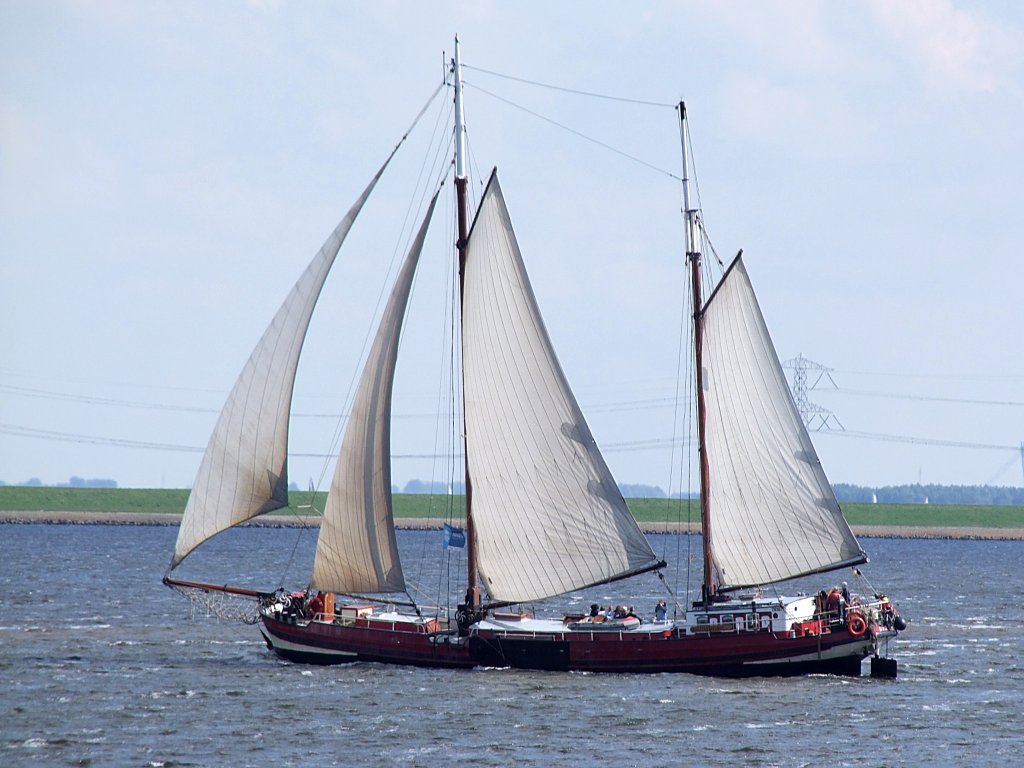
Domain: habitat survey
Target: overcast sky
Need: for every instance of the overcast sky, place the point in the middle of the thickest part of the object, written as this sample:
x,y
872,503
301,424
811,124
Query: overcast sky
x,y
168,169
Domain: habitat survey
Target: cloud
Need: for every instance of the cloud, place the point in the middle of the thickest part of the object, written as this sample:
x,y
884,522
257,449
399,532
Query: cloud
x,y
952,49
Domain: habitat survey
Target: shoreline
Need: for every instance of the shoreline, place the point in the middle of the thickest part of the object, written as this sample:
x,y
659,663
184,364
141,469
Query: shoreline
x,y
414,523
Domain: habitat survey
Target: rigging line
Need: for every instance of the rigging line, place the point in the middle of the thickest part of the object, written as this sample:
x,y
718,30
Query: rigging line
x,y
421,113
705,237
572,90
395,256
675,409
573,131
443,390
710,246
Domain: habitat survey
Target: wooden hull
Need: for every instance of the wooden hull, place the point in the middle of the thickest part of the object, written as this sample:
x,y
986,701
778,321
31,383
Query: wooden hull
x,y
729,655
755,654
323,643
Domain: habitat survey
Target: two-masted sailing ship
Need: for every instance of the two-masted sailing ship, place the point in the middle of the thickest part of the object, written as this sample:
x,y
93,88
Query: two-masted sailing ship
x,y
544,516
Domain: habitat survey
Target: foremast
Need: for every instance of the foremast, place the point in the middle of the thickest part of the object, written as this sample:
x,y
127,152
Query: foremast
x,y
472,603
692,241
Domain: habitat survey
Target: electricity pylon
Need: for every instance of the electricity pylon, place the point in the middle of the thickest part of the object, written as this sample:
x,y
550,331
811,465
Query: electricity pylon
x,y
815,417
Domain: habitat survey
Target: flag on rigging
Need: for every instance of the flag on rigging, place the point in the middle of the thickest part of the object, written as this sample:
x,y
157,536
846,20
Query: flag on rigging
x,y
454,537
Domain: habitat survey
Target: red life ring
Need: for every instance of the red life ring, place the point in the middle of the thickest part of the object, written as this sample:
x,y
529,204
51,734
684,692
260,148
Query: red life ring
x,y
856,624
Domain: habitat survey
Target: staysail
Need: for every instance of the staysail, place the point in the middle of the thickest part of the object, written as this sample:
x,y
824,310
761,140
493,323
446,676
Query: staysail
x,y
244,472
357,550
549,517
773,513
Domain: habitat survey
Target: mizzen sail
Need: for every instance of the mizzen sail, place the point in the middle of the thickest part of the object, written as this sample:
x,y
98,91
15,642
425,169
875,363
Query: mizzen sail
x,y
244,472
773,513
357,550
549,517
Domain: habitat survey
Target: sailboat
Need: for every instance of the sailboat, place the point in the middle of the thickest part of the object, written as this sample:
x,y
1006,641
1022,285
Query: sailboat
x,y
544,516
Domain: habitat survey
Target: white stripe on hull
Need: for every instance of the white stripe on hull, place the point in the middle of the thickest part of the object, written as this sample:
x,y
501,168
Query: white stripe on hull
x,y
284,645
861,649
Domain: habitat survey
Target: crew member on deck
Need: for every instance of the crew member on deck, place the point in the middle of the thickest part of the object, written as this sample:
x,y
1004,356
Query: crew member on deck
x,y
316,605
660,611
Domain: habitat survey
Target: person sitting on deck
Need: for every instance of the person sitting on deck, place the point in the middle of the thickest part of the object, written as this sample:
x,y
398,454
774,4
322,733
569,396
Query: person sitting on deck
x,y
594,610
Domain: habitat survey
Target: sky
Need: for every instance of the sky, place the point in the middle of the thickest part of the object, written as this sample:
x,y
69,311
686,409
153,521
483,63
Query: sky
x,y
168,169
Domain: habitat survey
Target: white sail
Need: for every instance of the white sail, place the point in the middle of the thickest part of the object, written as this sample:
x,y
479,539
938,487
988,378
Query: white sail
x,y
357,550
548,516
773,513
244,470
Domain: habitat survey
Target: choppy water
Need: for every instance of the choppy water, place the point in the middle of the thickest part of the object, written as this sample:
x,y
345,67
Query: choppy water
x,y
101,665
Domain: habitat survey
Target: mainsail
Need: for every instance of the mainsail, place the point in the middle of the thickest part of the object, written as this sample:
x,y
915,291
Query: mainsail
x,y
549,517
773,513
357,550
244,472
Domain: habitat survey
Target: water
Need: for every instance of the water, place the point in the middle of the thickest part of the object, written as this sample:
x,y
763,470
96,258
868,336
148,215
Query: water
x,y
101,665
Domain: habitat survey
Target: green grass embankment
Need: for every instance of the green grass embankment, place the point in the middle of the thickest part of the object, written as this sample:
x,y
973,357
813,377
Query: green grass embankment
x,y
127,500
900,515
172,501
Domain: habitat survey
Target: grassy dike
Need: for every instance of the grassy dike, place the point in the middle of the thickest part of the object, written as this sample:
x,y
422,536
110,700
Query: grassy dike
x,y
421,506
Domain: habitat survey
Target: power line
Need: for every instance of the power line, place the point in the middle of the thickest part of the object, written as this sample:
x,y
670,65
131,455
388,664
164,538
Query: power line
x,y
929,398
72,437
924,441
90,400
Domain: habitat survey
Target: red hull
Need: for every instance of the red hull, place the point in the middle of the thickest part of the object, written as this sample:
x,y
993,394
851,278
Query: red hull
x,y
754,654
750,654
322,643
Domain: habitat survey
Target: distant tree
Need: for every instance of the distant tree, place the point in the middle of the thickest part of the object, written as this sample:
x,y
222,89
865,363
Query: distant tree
x,y
640,491
931,494
419,486
435,487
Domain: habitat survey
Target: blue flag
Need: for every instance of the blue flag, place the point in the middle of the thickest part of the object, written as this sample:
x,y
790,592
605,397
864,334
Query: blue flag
x,y
454,537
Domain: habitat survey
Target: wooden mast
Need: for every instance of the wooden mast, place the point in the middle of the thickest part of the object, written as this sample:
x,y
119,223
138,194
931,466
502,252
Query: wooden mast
x,y
461,182
693,257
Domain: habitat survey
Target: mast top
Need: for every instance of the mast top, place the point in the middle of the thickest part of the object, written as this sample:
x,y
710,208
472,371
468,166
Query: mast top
x,y
460,116
692,241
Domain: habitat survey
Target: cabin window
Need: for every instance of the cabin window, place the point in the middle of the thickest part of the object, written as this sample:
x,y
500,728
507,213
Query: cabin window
x,y
766,621
740,624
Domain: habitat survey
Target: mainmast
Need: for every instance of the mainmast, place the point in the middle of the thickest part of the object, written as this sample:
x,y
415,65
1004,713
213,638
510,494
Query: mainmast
x,y
461,182
693,257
